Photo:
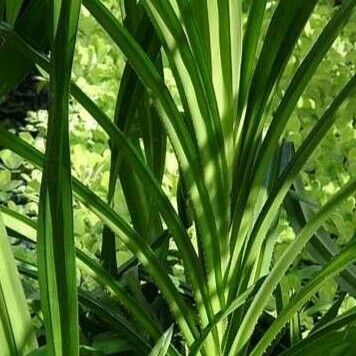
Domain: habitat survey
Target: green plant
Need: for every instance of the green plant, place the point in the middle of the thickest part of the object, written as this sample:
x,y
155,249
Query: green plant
x,y
235,174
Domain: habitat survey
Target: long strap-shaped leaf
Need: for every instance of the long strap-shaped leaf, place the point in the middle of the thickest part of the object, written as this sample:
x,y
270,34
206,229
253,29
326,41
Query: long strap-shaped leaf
x,y
132,94
298,84
195,96
284,30
283,184
300,81
17,336
224,20
180,137
281,188
338,323
123,231
56,254
105,311
336,265
201,53
117,137
196,104
12,9
286,26
15,222
184,245
30,24
291,253
28,231
296,88
249,49
178,132
242,299
322,247
111,315
102,308
302,78
183,242
277,195
139,313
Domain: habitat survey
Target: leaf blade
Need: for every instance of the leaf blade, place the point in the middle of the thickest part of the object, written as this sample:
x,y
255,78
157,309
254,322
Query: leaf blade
x,y
17,336
56,252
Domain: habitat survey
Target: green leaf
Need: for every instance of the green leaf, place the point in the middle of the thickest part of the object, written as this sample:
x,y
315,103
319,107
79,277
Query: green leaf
x,y
144,317
242,299
168,213
180,137
56,252
283,113
161,347
13,8
336,343
130,99
123,231
17,336
162,239
110,314
17,222
28,231
195,102
30,24
249,49
330,315
16,67
225,38
282,184
339,323
321,246
295,89
5,180
282,265
220,256
10,160
336,265
283,32
183,206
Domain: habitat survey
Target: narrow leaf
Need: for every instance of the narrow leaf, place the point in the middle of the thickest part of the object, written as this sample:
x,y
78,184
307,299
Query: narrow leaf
x,y
17,336
55,252
282,265
162,346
